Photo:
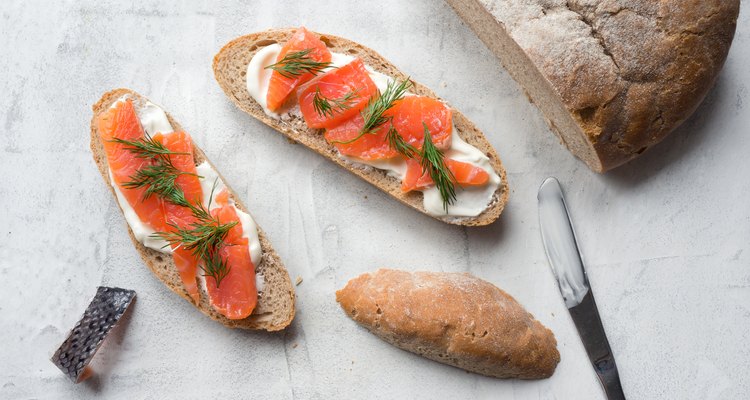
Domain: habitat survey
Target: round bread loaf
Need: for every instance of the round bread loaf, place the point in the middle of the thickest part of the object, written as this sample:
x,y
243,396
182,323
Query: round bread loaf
x,y
611,77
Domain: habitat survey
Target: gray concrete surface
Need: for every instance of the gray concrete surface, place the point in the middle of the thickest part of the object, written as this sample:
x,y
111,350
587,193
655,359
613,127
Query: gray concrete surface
x,y
665,237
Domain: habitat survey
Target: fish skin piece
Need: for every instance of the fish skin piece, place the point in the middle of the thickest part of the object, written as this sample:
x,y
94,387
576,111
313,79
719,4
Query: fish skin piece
x,y
101,316
336,84
280,87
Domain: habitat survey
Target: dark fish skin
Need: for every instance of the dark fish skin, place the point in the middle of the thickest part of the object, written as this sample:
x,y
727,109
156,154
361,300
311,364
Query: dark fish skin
x,y
102,314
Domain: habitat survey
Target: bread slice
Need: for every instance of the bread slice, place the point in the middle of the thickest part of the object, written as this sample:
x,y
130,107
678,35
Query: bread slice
x,y
452,318
275,309
612,78
230,66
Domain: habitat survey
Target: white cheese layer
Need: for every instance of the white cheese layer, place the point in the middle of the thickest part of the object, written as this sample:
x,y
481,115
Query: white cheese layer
x,y
470,201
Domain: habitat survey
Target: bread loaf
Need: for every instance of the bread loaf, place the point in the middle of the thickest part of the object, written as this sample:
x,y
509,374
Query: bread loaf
x,y
611,77
452,318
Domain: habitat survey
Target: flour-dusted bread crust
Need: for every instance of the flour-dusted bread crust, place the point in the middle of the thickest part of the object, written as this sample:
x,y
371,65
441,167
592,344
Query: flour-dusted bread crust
x,y
275,309
611,77
230,67
452,318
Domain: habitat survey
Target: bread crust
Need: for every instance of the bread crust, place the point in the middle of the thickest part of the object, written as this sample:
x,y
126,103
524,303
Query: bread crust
x,y
625,73
230,66
275,309
452,318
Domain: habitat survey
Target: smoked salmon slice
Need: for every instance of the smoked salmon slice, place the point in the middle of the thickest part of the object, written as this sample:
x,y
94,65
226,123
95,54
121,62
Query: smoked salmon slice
x,y
121,122
346,90
236,295
408,116
281,86
370,146
179,216
412,113
465,174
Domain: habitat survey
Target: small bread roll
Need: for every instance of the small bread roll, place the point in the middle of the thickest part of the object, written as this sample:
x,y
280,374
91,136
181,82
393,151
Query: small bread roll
x,y
453,318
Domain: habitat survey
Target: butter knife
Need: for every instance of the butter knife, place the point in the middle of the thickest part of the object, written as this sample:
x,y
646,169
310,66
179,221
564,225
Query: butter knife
x,y
565,259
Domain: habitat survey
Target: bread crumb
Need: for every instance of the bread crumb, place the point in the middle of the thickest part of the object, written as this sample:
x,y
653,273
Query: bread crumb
x,y
294,346
298,281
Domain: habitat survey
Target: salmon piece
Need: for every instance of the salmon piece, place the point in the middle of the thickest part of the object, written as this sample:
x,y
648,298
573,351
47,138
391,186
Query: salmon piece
x,y
411,112
370,146
186,263
280,86
408,116
122,122
466,175
222,198
352,79
236,295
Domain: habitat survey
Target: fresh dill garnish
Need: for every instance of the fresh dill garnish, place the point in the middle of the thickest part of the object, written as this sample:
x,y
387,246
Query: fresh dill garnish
x,y
329,107
433,163
431,160
297,63
373,113
145,147
397,142
158,178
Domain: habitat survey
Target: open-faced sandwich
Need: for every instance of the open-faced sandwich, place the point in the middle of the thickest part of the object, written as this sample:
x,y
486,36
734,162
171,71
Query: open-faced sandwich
x,y
352,106
188,225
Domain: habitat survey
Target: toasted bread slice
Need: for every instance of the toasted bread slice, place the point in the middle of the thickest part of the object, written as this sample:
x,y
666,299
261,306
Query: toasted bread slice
x,y
230,66
275,309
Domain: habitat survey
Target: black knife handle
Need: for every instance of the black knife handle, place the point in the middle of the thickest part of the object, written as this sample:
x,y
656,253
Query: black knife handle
x,y
586,318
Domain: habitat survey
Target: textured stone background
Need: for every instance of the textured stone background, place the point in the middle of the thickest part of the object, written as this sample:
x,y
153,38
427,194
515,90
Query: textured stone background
x,y
665,237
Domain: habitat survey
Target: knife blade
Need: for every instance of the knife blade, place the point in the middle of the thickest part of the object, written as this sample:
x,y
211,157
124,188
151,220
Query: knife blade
x,y
565,260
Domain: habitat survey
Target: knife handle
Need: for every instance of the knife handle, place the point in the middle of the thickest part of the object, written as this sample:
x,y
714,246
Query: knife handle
x,y
586,317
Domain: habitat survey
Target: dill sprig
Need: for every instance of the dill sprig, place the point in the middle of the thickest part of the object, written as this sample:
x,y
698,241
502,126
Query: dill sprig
x,y
329,107
373,113
158,178
297,63
432,161
146,147
397,142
